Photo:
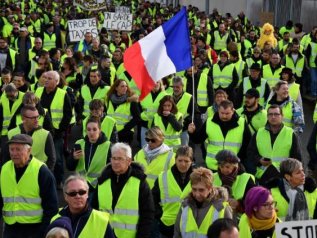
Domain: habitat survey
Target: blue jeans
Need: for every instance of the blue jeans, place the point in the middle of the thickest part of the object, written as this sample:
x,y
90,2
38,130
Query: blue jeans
x,y
313,81
59,165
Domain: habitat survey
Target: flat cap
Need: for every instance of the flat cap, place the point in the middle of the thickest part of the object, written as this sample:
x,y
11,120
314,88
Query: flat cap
x,y
21,139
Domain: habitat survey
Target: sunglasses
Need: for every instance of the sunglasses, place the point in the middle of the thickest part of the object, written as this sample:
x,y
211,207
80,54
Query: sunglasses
x,y
150,140
73,194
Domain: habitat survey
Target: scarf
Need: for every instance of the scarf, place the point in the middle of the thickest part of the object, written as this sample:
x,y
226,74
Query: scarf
x,y
228,180
117,100
259,224
152,154
297,207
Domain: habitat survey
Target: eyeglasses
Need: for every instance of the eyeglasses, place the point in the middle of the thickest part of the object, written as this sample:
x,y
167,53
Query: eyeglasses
x,y
33,118
274,114
74,193
150,140
269,205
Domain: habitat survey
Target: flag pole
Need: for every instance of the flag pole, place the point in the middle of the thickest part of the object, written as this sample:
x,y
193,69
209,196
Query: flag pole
x,y
193,95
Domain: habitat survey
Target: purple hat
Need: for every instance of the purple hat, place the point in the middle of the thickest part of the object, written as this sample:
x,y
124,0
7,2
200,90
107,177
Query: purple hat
x,y
62,222
255,198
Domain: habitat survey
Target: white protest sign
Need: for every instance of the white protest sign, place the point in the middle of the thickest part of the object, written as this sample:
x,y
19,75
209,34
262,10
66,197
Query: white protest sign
x,y
78,28
296,229
118,21
122,9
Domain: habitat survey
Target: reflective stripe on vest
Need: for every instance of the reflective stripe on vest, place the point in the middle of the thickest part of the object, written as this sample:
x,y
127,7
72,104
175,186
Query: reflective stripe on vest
x,y
121,114
202,95
313,54
86,95
21,205
97,162
261,89
297,67
171,196
161,163
57,105
222,78
271,78
281,147
9,112
172,137
49,41
220,41
125,217
39,137
188,225
217,142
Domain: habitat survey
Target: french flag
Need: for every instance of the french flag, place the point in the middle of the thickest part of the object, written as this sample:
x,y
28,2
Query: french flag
x,y
164,51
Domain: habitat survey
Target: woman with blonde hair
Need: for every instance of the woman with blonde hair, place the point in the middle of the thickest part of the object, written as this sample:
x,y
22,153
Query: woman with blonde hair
x,y
155,156
204,205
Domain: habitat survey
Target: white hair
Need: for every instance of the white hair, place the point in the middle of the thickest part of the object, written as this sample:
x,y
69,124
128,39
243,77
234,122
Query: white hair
x,y
57,232
122,146
55,75
75,177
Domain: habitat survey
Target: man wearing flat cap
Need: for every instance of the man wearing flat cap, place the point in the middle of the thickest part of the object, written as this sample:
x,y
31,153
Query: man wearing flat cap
x,y
254,81
28,193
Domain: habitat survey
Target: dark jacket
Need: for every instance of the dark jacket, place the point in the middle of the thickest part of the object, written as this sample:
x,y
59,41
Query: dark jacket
x,y
182,181
49,204
146,204
79,221
311,148
200,135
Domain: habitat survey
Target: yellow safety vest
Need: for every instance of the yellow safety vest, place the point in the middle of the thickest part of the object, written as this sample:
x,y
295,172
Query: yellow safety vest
x,y
121,114
249,61
7,112
293,90
222,78
21,205
216,141
150,106
202,95
49,41
313,54
271,78
245,229
247,85
171,197
172,138
239,65
189,227
281,147
297,67
57,105
101,94
238,186
183,104
258,120
220,41
282,204
96,223
32,72
39,137
162,162
125,216
97,164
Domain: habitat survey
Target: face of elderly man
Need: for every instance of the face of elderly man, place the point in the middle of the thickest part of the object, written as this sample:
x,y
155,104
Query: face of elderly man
x,y
51,81
20,154
120,161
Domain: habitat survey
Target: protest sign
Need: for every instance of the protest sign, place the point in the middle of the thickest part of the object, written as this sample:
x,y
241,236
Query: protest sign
x,y
118,21
78,28
122,9
296,229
